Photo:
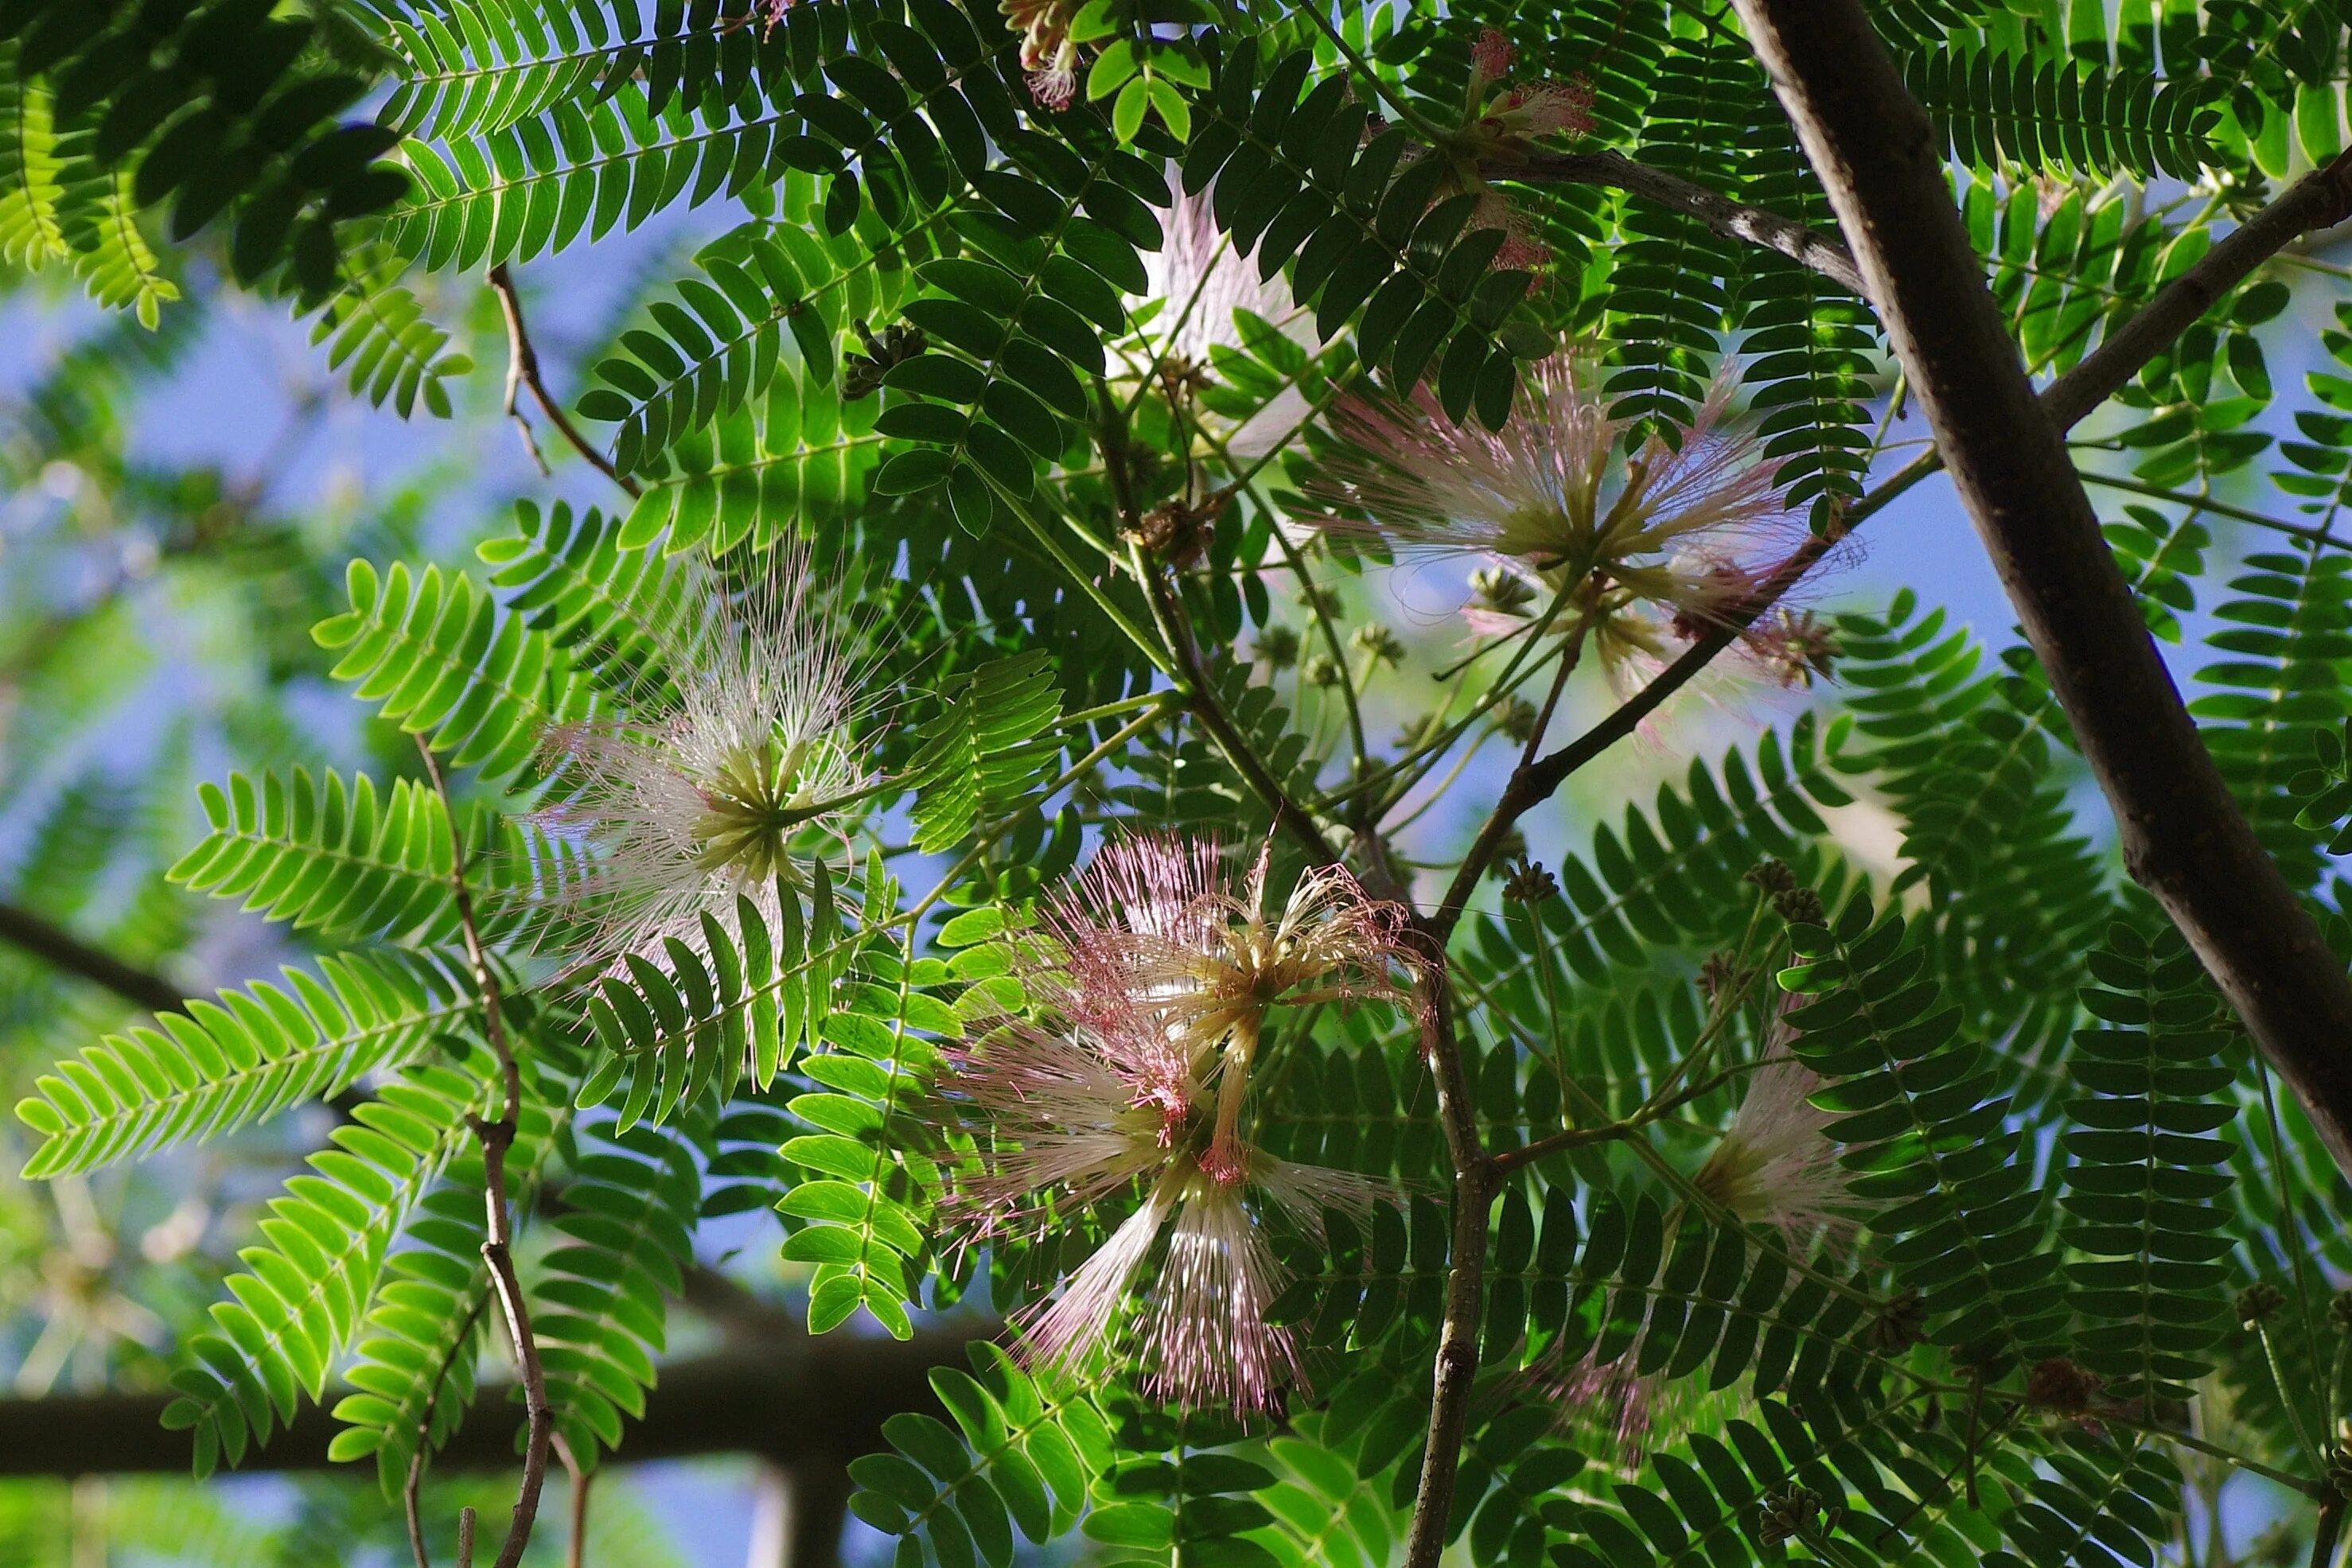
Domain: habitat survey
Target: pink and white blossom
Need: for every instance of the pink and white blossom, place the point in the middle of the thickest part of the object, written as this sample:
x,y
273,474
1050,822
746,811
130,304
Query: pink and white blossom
x,y
1653,550
1777,1164
1157,970
1072,1119
1157,924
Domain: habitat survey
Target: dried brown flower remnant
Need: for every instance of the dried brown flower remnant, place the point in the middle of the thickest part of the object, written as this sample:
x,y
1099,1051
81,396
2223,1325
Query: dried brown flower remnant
x,y
2058,1385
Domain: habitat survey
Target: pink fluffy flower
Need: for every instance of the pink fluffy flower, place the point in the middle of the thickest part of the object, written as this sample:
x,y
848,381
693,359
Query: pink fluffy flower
x,y
1777,1164
1492,56
1508,118
1084,1110
1155,974
1077,1117
1158,925
1650,549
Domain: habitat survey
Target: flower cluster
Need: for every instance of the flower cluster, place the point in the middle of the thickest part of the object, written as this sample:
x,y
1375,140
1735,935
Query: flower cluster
x,y
736,758
1161,979
1504,122
1047,52
1511,118
1648,552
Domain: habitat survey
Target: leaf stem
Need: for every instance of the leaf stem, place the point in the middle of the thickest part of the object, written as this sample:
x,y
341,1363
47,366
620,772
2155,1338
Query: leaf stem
x,y
1086,584
1163,704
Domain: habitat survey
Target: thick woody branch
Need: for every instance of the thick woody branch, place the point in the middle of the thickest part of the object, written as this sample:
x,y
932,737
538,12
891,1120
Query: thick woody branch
x,y
522,371
781,1402
61,949
1732,220
2319,201
2182,835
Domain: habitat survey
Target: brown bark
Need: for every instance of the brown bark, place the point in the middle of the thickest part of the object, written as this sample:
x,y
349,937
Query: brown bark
x,y
791,1403
2182,835
61,949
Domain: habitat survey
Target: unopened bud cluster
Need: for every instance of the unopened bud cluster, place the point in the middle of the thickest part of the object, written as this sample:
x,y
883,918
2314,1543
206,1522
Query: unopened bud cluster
x,y
2259,1302
1529,883
1797,904
1795,1511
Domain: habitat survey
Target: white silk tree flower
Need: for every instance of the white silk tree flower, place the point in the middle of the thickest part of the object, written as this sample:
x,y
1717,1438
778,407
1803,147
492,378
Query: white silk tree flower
x,y
736,766
1201,280
1777,1164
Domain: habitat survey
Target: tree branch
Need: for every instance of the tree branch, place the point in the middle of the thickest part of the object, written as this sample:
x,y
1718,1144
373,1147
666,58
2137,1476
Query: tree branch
x,y
61,949
2317,201
783,1401
2321,198
522,371
1475,1181
2182,835
1732,220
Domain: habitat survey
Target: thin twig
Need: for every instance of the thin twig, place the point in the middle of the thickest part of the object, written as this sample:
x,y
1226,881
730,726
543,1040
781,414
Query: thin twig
x,y
2316,533
1568,659
522,371
1202,701
1476,1180
575,1549
497,1137
412,1490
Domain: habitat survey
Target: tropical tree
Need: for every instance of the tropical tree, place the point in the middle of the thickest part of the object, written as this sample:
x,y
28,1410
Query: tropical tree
x,y
903,778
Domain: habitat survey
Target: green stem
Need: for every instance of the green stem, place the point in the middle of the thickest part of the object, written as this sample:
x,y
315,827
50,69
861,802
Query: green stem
x,y
1444,784
1113,710
1405,111
2286,1394
2291,1223
1164,704
1423,759
1331,641
2207,504
1086,585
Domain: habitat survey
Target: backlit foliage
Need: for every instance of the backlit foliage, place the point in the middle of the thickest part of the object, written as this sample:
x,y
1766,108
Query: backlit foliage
x,y
1090,556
